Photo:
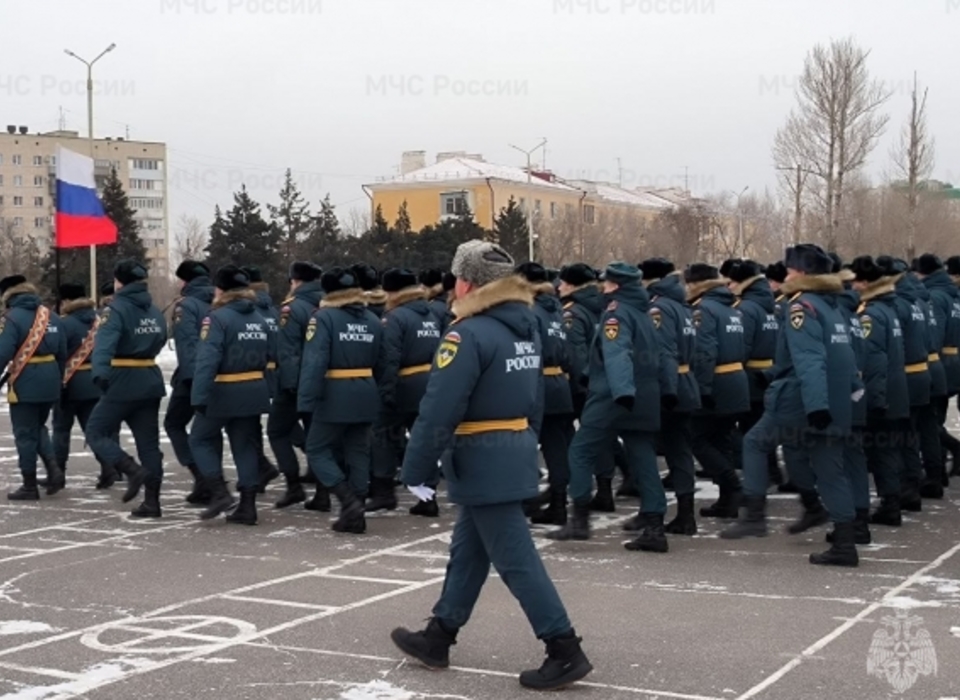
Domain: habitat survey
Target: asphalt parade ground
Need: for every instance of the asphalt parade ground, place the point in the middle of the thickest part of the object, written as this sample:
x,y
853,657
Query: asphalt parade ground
x,y
96,605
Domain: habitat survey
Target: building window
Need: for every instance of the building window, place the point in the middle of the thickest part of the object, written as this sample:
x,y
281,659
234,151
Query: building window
x,y
1,204
38,201
453,203
16,160
18,201
142,184
1,180
17,181
38,180
39,222
144,164
588,213
536,206
553,210
38,160
17,221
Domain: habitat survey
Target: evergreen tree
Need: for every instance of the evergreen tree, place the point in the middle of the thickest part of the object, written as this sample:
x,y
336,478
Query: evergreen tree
x,y
291,218
324,245
402,226
244,237
512,232
436,245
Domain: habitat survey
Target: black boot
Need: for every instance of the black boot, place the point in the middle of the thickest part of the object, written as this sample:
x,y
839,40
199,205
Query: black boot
x,y
603,501
843,551
565,664
150,508
555,513
430,646
266,472
861,528
136,476
910,497
320,501
684,523
108,477
666,482
932,487
28,491
426,509
294,493
220,499
628,490
200,495
351,510
652,537
577,528
56,478
382,495
814,514
752,521
309,478
727,505
888,513
246,512
788,487
532,506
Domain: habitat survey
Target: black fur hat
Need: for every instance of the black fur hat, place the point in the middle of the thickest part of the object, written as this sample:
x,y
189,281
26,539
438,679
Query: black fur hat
x,y
727,265
742,270
189,270
11,282
808,258
337,279
578,274
837,263
305,271
777,272
71,291
129,271
892,266
397,278
231,277
700,272
866,269
106,289
449,281
928,263
953,265
533,272
253,272
656,268
366,275
430,277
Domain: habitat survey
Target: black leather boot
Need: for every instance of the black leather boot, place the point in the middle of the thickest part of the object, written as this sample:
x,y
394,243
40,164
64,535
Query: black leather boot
x,y
200,494
136,476
56,479
652,537
888,513
28,491
726,506
843,551
555,513
577,528
108,477
426,509
320,501
603,500
266,472
383,495
684,523
351,510
861,528
294,493
910,500
565,664
150,508
430,646
814,514
752,521
246,512
220,499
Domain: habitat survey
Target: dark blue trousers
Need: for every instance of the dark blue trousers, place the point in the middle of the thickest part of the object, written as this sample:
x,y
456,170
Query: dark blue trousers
x,y
284,432
29,422
206,443
589,446
64,417
675,438
179,414
327,441
143,419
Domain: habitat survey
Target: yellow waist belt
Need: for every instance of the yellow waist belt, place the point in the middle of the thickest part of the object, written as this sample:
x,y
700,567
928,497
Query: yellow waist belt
x,y
917,368
759,364
131,363
933,357
552,371
271,365
41,359
683,369
85,367
950,351
238,377
413,369
728,368
476,427
349,373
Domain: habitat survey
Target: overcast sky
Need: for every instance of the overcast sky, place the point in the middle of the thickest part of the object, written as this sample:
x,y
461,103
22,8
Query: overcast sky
x,y
337,89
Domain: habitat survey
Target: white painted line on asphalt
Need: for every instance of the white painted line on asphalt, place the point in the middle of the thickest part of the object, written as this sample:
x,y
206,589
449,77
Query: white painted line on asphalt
x,y
48,528
862,615
367,579
40,671
94,543
282,603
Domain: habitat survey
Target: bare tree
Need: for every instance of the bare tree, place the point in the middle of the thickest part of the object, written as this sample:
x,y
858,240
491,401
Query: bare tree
x,y
913,161
835,125
19,253
190,239
356,222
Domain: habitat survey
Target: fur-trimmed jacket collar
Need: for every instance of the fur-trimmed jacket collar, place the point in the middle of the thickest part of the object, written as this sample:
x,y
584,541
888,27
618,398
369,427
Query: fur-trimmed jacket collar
x,y
544,288
825,284
74,305
405,296
345,297
260,287
877,288
695,290
654,280
740,287
22,288
375,297
234,295
434,291
513,288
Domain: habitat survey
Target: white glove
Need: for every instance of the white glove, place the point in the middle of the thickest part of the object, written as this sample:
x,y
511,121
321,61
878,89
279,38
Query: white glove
x,y
424,493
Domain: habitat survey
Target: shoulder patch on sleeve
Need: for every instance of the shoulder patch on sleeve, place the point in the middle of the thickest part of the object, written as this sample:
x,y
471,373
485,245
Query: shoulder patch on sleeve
x,y
3,323
866,324
452,337
656,316
611,327
697,317
205,327
284,314
311,329
177,314
797,316
104,315
447,352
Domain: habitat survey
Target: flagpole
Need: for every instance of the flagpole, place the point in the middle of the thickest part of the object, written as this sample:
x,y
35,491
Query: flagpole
x,y
57,259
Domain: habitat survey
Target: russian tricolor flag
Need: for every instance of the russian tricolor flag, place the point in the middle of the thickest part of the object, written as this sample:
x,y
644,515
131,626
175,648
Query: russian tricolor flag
x,y
81,220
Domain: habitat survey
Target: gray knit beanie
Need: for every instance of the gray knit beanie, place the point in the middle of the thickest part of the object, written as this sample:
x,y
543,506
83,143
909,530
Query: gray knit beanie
x,y
481,262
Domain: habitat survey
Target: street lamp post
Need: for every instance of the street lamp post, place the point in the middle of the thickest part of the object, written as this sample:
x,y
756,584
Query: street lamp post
x,y
741,248
94,287
530,212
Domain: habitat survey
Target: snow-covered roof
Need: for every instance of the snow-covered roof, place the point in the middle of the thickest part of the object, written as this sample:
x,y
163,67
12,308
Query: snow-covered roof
x,y
619,195
454,169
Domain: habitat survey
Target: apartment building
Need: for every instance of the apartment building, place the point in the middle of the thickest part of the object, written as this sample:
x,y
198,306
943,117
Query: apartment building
x,y
28,167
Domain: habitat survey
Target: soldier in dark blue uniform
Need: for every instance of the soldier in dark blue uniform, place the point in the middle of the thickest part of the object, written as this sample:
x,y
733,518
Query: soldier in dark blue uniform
x,y
33,350
437,295
230,393
284,425
373,294
724,389
411,334
132,333
265,307
189,310
624,377
809,405
338,390
556,431
79,395
485,397
952,445
106,294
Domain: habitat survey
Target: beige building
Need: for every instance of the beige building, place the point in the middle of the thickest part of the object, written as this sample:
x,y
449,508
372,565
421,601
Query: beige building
x,y
28,170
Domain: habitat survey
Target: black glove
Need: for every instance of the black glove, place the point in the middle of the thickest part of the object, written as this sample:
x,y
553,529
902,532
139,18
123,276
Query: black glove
x,y
625,401
668,402
763,380
819,420
101,383
202,410
707,402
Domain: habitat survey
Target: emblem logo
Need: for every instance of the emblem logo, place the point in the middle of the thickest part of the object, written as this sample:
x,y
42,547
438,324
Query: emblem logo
x,y
104,315
611,329
205,328
177,314
697,317
311,329
902,651
866,323
284,315
445,353
796,316
656,317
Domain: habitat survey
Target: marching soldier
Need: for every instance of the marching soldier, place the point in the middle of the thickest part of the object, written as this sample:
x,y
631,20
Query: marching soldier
x,y
373,294
432,282
284,424
624,375
810,404
724,389
411,334
33,350
484,397
132,333
339,392
230,394
190,308
106,295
